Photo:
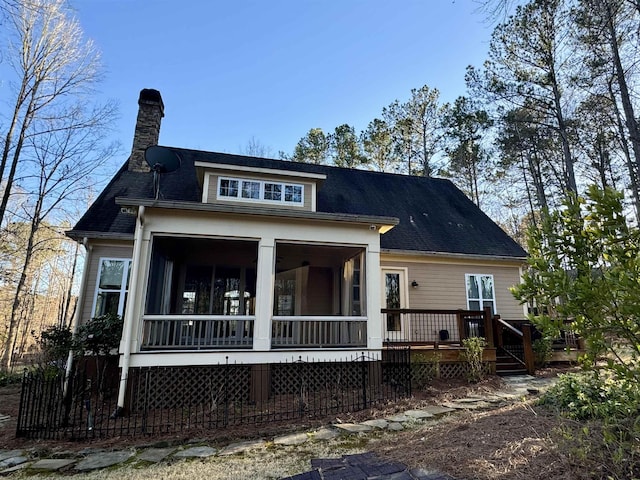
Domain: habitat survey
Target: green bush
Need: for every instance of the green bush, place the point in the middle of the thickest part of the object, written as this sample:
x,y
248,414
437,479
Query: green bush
x,y
589,395
99,336
542,350
10,378
55,343
472,355
606,432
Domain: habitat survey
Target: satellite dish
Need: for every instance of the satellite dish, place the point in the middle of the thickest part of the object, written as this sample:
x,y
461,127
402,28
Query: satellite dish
x,y
161,160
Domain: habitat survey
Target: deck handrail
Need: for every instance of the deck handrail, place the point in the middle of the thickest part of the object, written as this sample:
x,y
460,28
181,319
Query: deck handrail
x,y
197,332
509,326
433,326
318,332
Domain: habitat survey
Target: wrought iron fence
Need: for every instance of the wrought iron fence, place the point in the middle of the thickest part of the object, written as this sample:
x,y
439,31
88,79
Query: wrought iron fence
x,y
162,400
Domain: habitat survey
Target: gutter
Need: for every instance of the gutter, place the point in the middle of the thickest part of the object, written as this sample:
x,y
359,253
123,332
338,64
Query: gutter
x,y
129,323
80,235
79,308
461,256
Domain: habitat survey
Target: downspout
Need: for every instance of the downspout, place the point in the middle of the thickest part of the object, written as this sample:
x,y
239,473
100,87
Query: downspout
x,y
130,313
79,308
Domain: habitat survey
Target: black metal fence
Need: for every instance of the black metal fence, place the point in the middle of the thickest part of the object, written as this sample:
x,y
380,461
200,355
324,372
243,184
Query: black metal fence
x,y
164,400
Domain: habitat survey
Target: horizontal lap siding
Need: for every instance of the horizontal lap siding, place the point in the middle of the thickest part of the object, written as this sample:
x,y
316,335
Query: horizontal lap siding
x,y
442,286
99,251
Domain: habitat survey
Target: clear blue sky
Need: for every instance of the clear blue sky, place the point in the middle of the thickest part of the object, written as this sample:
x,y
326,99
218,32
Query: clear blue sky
x,y
230,70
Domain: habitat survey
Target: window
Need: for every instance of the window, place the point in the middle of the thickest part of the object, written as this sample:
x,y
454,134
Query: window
x,y
112,286
261,191
273,191
250,189
480,292
293,193
228,188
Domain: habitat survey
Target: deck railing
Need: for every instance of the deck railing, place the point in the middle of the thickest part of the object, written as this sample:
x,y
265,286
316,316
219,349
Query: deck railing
x,y
319,332
433,327
197,332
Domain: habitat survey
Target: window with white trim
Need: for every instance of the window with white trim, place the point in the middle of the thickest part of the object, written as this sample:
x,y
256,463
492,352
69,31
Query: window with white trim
x,y
480,292
112,286
260,191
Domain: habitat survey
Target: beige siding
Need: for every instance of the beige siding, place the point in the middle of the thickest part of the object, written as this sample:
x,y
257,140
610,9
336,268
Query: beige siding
x,y
212,196
100,251
442,285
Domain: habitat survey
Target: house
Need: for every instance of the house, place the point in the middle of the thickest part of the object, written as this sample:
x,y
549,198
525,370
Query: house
x,y
254,260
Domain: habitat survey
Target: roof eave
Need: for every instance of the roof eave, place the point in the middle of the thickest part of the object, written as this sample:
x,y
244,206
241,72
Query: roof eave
x,y
382,223
456,255
80,235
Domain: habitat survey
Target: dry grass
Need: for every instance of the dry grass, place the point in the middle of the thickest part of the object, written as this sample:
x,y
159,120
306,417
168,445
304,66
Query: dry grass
x,y
264,464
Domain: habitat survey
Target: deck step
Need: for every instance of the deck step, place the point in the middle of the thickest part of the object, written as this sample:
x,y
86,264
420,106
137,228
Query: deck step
x,y
509,373
506,366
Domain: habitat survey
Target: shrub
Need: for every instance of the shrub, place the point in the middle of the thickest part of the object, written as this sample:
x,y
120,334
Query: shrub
x,y
607,432
542,350
99,336
472,355
425,368
55,343
593,395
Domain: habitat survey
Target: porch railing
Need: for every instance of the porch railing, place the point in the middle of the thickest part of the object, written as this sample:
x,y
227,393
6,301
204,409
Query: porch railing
x,y
433,327
197,332
319,332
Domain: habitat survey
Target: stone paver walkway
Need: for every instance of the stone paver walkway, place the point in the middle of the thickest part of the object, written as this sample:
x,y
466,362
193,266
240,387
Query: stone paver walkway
x,y
349,467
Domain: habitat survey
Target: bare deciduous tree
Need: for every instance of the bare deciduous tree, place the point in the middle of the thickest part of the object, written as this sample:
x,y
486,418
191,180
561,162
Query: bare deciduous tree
x,y
54,140
52,61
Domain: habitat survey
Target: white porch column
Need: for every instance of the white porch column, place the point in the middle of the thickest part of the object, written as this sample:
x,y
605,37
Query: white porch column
x,y
374,316
264,294
131,314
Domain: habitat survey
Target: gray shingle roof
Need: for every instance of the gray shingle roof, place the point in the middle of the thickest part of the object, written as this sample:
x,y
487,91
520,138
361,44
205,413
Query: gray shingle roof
x,y
434,215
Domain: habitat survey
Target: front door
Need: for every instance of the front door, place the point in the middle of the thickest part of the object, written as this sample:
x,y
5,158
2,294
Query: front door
x,y
394,283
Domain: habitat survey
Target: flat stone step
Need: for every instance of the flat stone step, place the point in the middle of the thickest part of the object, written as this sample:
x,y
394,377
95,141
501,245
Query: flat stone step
x,y
293,439
156,455
353,427
196,452
52,464
242,447
103,460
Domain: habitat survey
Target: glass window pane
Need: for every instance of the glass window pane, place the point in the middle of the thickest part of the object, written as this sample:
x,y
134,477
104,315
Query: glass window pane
x,y
251,190
228,188
293,193
472,287
488,303
487,286
393,322
273,191
107,302
392,290
474,305
111,274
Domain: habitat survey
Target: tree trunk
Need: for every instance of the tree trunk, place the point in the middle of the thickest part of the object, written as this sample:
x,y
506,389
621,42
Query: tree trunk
x,y
16,156
64,315
7,357
625,98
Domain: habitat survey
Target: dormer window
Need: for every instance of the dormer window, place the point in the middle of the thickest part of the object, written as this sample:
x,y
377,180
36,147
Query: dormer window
x,y
260,191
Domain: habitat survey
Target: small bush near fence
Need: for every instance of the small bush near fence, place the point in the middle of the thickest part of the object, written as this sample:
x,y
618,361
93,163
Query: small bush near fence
x,y
165,400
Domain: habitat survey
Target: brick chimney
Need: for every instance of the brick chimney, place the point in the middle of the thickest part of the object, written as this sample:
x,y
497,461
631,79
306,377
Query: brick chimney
x,y
150,113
